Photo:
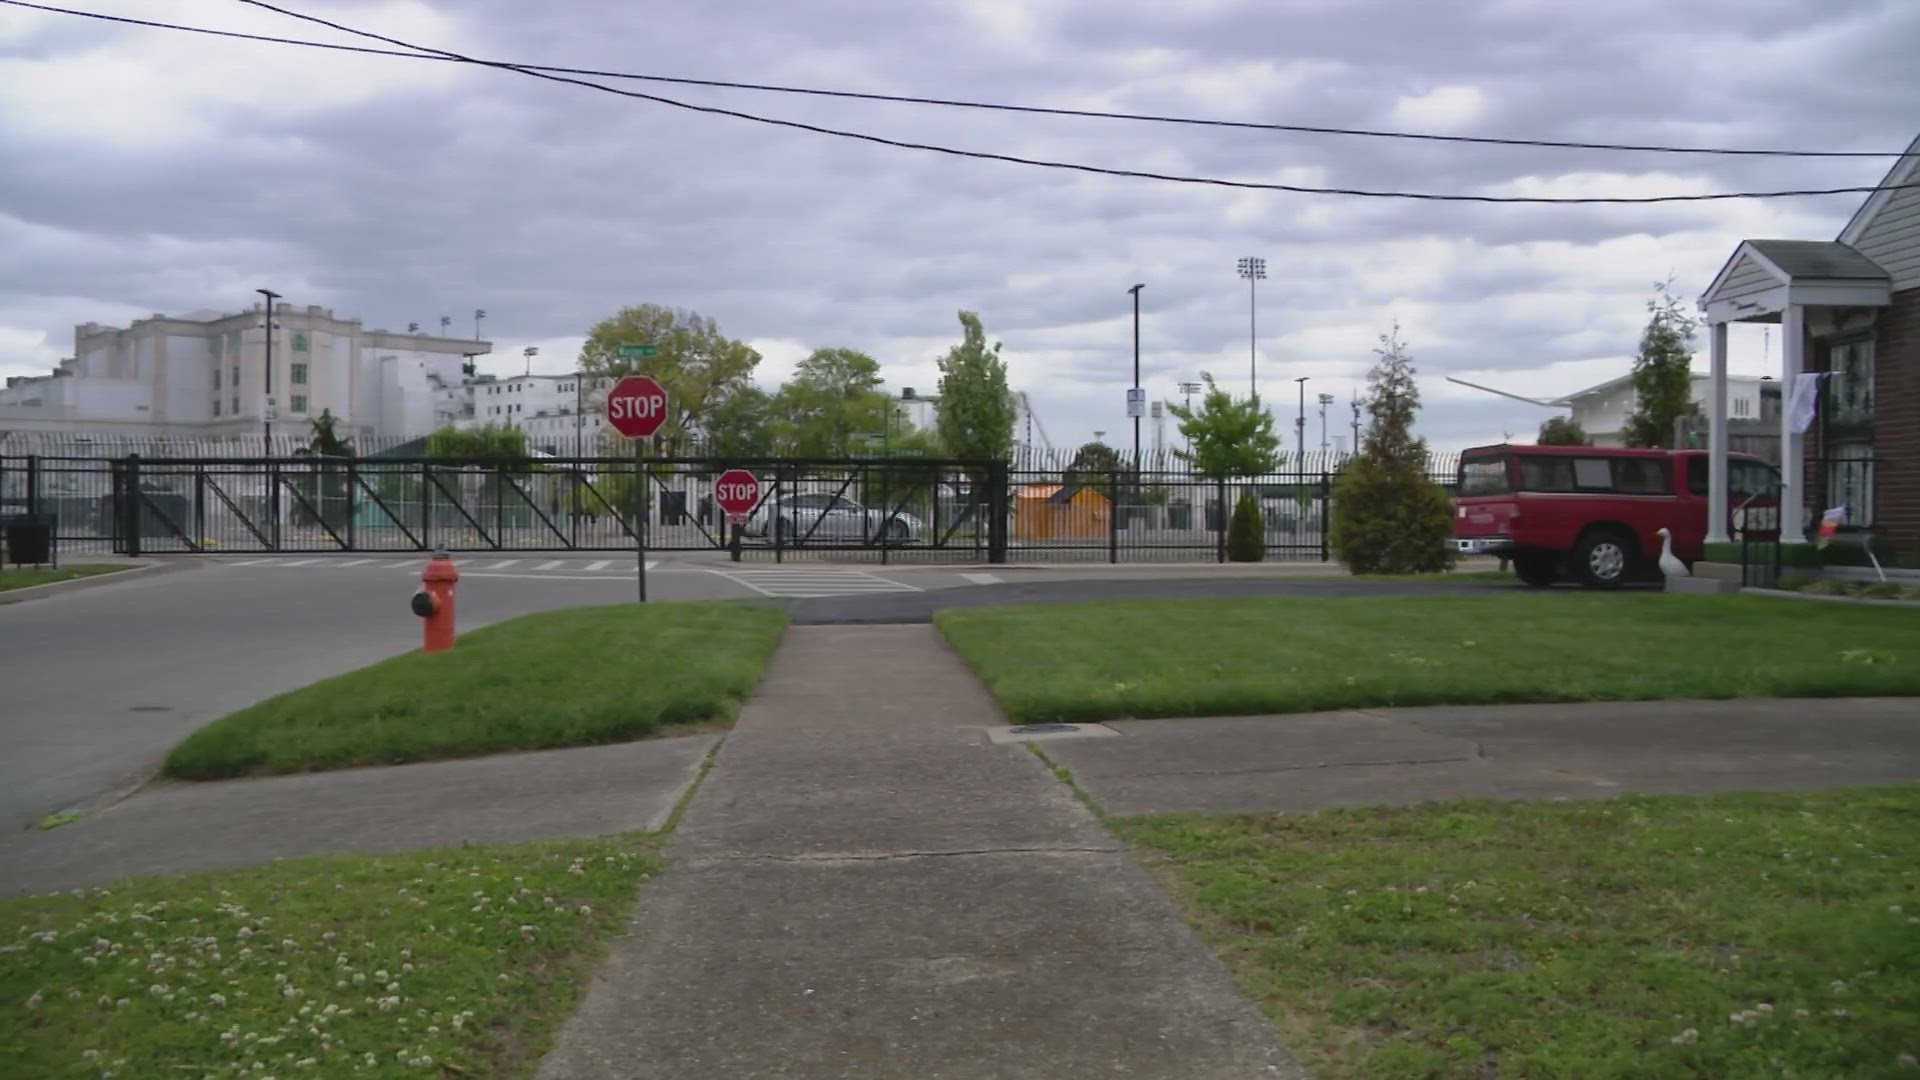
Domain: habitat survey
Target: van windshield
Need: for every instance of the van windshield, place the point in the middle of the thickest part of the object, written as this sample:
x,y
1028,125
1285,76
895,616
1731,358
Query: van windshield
x,y
1483,476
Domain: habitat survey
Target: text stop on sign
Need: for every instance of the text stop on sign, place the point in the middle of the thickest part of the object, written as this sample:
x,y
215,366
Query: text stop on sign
x,y
737,491
637,406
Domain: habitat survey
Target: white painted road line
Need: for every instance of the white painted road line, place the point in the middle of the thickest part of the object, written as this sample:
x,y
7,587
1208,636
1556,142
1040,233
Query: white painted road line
x,y
252,562
554,565
601,565
354,562
982,579
803,584
505,564
300,562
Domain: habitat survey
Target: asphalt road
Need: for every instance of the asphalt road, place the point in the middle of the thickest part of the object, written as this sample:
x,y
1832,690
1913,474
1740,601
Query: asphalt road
x,y
96,685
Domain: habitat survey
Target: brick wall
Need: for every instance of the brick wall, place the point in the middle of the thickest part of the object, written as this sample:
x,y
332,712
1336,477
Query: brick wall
x,y
1896,421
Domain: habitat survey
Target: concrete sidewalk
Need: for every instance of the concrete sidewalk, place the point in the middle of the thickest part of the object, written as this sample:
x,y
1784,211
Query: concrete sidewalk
x,y
177,828
866,887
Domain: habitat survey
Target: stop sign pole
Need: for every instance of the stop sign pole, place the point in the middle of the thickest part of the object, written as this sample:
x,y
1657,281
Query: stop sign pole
x,y
637,408
738,492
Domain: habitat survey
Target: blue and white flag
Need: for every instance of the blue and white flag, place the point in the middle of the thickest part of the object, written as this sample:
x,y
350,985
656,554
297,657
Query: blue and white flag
x,y
1806,399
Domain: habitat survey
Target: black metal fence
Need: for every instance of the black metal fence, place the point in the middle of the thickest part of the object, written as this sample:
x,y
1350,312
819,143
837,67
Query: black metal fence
x,y
883,510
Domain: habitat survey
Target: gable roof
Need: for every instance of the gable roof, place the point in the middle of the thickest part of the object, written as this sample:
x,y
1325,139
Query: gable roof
x,y
1906,170
1826,259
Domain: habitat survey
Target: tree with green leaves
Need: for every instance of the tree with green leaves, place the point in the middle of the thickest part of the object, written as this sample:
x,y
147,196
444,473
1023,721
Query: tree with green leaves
x,y
1562,431
976,411
327,485
699,366
1662,371
1093,463
833,399
488,443
1246,532
740,425
1389,517
1227,436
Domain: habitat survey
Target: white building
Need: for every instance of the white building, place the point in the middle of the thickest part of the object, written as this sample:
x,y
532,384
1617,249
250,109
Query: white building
x,y
1602,411
558,412
205,374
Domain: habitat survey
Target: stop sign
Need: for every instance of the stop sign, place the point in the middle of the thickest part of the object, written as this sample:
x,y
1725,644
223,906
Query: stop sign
x,y
637,406
737,491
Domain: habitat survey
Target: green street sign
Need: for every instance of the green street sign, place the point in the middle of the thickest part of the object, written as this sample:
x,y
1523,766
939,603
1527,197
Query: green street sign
x,y
642,351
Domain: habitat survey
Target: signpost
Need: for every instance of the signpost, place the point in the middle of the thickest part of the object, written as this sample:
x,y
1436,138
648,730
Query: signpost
x,y
636,408
629,352
738,492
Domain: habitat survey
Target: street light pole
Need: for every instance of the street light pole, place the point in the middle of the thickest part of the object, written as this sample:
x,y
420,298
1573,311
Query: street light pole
x,y
1300,421
1253,269
1136,376
529,353
1356,424
478,314
266,408
1325,400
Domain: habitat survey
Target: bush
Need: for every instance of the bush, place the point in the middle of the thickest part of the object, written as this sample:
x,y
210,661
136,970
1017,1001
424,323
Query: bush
x,y
1388,517
1246,535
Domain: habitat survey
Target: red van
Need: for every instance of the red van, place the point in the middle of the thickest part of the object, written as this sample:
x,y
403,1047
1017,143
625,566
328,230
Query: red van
x,y
1592,513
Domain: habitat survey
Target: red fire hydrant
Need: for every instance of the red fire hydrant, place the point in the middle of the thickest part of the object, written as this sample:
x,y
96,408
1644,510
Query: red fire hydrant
x,y
434,602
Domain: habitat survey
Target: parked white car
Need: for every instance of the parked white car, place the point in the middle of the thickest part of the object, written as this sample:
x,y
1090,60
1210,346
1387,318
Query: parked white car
x,y
822,518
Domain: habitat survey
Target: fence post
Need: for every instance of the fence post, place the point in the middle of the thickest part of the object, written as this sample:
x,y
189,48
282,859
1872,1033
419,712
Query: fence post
x,y
1113,515
130,506
1220,533
776,520
886,504
353,474
273,503
1326,510
200,505
426,506
999,494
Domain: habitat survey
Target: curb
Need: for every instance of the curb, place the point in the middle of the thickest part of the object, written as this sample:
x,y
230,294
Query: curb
x,y
55,588
1788,594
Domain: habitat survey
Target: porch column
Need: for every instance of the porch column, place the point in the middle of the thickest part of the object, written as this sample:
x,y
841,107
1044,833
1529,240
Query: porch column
x,y
1793,347
1717,434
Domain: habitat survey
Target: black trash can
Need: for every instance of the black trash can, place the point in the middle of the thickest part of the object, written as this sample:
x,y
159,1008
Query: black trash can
x,y
29,538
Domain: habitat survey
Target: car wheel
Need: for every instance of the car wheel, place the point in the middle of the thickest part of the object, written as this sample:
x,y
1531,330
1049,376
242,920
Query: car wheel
x,y
1536,569
1602,559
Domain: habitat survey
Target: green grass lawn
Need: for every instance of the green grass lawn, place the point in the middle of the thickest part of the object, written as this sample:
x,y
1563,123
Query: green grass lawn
x,y
1642,938
1144,658
560,678
20,577
441,963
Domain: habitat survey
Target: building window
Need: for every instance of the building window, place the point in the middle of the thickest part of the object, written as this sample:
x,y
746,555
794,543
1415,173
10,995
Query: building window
x,y
1742,407
216,406
299,343
1850,481
299,403
1850,389
236,404
216,379
299,374
236,376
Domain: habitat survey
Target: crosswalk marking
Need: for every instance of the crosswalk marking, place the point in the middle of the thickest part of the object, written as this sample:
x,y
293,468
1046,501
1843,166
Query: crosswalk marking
x,y
504,564
300,562
806,584
601,565
551,565
354,562
982,579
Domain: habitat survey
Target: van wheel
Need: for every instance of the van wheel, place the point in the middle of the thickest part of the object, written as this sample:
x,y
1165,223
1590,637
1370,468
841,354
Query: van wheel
x,y
1601,559
1537,569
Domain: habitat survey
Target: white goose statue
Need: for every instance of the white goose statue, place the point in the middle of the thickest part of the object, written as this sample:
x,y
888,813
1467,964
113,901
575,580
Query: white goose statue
x,y
1670,564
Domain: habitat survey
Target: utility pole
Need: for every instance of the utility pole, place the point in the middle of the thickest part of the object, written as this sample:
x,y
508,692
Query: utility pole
x,y
266,408
1253,269
1135,402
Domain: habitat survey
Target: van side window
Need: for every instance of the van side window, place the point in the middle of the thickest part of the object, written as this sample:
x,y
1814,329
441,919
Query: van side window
x,y
1641,476
1592,474
1483,476
1549,474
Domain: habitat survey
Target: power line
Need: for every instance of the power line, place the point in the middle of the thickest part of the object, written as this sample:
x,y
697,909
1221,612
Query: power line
x,y
1219,182
995,106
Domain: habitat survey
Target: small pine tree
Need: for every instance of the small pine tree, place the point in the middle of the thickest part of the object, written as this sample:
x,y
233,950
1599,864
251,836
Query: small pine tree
x,y
1388,516
1246,540
1662,371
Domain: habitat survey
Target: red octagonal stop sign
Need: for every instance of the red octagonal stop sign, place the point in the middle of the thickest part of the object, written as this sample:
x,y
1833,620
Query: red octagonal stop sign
x,y
737,491
637,406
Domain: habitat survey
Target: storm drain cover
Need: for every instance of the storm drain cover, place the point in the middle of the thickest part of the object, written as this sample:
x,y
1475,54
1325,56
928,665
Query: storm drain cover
x,y
1043,729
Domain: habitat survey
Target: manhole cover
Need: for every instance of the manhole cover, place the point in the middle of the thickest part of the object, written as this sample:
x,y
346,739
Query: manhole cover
x,y
1044,729
151,708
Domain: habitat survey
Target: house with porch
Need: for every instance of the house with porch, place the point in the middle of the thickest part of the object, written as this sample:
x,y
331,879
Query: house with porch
x,y
1850,308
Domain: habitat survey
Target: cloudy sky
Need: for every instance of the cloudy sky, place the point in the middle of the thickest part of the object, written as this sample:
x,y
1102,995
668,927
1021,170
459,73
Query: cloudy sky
x,y
146,171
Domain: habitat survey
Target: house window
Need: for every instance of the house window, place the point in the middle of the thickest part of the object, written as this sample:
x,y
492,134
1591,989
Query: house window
x,y
1850,481
299,343
299,403
299,374
216,406
1850,389
1742,407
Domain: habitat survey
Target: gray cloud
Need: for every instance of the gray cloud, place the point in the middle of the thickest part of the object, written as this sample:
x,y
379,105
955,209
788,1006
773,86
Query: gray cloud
x,y
551,205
